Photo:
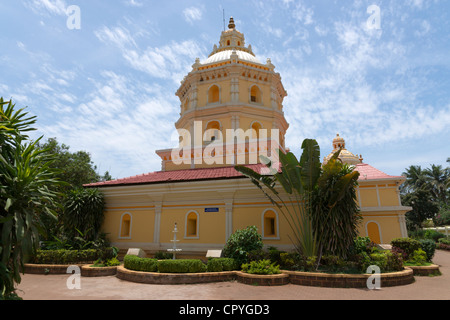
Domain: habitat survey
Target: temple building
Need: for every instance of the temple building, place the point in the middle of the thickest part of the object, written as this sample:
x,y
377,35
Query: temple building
x,y
231,111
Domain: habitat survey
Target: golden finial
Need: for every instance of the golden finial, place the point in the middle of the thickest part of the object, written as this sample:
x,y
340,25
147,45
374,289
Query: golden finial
x,y
231,24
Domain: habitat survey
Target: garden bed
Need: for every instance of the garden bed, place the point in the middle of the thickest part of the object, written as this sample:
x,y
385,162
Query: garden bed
x,y
300,278
339,280
90,271
431,270
262,280
48,268
173,278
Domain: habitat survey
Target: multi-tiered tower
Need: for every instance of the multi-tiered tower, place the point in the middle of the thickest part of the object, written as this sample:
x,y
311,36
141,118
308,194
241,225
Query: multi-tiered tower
x,y
229,92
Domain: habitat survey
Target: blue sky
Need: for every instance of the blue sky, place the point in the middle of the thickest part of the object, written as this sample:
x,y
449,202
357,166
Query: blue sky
x,y
109,87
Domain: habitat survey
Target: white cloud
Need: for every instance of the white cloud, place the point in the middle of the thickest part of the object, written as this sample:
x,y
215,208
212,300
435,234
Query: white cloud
x,y
118,36
133,3
121,122
302,13
192,14
171,61
57,7
341,95
425,28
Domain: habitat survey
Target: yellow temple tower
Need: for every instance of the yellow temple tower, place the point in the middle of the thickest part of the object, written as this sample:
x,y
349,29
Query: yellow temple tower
x,y
231,108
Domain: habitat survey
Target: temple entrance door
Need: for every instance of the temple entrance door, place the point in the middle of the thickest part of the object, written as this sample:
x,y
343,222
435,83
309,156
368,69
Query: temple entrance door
x,y
373,232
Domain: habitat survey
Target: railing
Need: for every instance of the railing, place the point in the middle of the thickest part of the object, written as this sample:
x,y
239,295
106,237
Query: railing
x,y
445,230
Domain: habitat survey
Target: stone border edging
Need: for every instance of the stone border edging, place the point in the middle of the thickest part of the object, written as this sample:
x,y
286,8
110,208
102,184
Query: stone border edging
x,y
425,270
262,280
88,271
300,278
173,278
349,280
48,268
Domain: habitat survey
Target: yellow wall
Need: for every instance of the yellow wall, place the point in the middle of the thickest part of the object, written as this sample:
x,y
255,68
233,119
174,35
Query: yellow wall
x,y
207,233
248,205
142,225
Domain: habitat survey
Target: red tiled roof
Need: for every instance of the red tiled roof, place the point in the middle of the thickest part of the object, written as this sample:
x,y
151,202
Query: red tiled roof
x,y
179,176
366,171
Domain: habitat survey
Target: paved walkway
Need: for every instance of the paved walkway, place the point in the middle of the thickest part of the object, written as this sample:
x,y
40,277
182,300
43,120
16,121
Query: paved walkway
x,y
53,287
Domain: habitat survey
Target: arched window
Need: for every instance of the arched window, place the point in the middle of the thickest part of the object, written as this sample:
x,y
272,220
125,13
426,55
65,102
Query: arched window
x,y
214,94
186,105
125,226
373,231
191,225
256,127
213,131
255,95
270,224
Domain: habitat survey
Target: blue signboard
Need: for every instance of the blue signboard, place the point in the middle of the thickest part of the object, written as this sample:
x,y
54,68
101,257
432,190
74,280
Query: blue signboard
x,y
211,209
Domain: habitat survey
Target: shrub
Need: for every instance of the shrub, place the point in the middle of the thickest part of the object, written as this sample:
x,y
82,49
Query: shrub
x,y
387,261
221,264
429,246
214,265
261,267
401,252
378,259
289,261
434,235
112,262
418,258
443,217
241,242
108,263
444,246
444,241
162,255
394,261
181,266
71,256
408,245
140,264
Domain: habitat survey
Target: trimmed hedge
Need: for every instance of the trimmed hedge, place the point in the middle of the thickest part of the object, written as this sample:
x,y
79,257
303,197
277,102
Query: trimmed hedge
x,y
221,264
71,256
136,263
408,245
181,266
140,264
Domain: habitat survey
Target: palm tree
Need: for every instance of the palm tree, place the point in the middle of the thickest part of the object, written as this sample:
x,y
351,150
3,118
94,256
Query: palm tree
x,y
320,208
415,179
437,182
297,179
336,215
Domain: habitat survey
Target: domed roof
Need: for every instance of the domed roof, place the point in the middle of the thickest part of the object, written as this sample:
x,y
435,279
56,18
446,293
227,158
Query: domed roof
x,y
231,41
345,156
226,55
